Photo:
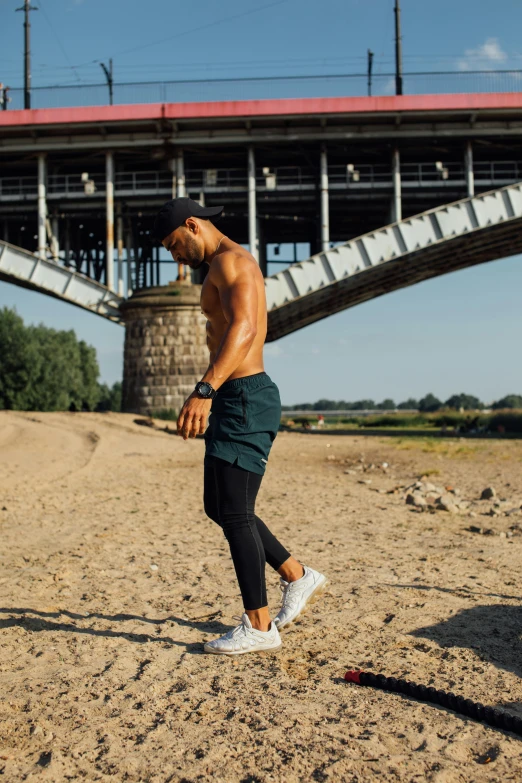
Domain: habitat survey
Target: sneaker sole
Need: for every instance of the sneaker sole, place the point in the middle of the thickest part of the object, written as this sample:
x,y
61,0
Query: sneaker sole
x,y
241,652
312,598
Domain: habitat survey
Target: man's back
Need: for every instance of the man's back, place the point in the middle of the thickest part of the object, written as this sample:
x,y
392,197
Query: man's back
x,y
235,287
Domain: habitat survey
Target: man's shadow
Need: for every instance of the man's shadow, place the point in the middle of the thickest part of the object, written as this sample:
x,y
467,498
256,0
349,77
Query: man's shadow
x,y
493,632
36,621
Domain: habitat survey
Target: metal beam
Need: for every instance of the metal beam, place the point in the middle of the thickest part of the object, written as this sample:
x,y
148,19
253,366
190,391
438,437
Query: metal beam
x,y
252,207
55,244
173,166
119,248
42,205
450,237
470,179
180,175
397,190
109,203
325,208
27,270
506,129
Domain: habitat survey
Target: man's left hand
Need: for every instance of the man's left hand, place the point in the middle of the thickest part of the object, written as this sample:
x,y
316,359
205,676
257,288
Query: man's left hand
x,y
192,419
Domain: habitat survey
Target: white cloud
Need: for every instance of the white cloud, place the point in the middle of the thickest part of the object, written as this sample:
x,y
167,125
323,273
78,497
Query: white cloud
x,y
389,87
484,58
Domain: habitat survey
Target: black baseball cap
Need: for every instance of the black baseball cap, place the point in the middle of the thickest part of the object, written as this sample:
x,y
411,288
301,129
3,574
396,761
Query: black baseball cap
x,y
173,214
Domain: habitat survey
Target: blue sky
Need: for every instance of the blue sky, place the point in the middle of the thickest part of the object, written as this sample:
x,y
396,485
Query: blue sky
x,y
461,332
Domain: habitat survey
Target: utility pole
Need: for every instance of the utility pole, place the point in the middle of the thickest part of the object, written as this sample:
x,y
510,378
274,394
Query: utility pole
x,y
370,63
26,8
108,76
398,49
4,100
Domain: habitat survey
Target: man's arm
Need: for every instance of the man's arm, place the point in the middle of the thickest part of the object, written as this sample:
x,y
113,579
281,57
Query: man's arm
x,y
238,296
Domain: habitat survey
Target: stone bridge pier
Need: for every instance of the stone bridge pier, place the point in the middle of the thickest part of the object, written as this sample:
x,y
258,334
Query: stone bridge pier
x,y
165,347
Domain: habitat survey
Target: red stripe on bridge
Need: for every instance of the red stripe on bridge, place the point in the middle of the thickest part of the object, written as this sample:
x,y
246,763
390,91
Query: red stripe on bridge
x,y
262,108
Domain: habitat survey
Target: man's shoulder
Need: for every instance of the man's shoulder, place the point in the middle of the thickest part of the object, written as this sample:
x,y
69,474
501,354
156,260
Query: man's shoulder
x,y
230,262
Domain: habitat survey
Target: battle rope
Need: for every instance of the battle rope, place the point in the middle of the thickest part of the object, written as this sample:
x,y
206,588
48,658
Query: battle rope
x,y
471,709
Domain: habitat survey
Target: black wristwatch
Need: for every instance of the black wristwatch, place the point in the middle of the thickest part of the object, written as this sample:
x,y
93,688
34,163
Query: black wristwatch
x,y
205,390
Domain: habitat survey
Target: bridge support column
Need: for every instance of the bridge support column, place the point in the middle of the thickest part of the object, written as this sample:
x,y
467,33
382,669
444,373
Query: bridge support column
x,y
325,206
252,209
42,205
128,252
119,247
261,244
109,202
67,242
470,178
55,238
166,350
397,191
180,175
181,192
173,170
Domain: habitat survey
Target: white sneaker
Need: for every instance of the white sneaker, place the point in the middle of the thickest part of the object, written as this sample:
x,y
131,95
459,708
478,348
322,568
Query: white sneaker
x,y
244,639
296,595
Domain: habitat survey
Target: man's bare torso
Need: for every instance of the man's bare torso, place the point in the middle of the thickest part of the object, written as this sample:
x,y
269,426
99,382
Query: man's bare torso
x,y
217,323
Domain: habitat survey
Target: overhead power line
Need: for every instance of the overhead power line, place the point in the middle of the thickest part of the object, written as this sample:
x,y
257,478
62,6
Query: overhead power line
x,y
47,19
202,27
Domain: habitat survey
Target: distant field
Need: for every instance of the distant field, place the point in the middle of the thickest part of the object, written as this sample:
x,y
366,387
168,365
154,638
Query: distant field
x,y
500,422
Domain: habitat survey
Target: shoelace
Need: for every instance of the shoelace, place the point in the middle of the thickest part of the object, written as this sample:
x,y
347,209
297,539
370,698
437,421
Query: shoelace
x,y
288,598
238,630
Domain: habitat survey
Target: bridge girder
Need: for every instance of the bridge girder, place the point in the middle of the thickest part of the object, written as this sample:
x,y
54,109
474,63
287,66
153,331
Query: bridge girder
x,y
441,240
27,270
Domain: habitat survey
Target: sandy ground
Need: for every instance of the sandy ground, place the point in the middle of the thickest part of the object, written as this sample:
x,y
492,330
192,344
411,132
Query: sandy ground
x,y
112,577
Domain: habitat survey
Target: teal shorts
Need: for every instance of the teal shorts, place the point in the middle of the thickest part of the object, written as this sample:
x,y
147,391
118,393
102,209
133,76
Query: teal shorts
x,y
244,421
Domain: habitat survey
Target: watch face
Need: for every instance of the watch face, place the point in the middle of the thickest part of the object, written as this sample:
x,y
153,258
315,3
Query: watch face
x,y
205,389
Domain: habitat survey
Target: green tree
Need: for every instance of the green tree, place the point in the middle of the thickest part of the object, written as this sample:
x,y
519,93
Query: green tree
x,y
325,405
386,405
57,381
18,354
466,401
408,405
109,397
429,403
90,393
44,369
362,405
513,401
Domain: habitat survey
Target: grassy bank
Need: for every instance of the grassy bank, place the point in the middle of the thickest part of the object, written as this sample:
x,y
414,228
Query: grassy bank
x,y
497,422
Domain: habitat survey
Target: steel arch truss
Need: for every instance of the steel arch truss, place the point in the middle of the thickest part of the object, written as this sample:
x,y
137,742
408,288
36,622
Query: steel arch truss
x,y
24,269
450,237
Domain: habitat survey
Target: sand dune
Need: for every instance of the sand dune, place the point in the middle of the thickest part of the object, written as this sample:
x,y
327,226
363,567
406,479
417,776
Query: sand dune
x,y
112,577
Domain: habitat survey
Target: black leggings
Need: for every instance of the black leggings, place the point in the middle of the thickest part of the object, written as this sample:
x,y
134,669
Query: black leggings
x,y
229,497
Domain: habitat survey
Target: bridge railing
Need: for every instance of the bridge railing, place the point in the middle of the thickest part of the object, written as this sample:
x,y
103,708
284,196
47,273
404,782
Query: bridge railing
x,y
258,88
364,176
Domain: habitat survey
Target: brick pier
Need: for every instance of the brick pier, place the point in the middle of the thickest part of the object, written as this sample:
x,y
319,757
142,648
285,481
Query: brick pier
x,y
165,347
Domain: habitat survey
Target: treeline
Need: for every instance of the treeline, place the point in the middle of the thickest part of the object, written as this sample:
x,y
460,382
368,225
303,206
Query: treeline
x,y
428,404
44,369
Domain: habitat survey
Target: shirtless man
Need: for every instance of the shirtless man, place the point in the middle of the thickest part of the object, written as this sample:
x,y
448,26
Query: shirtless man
x,y
243,409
